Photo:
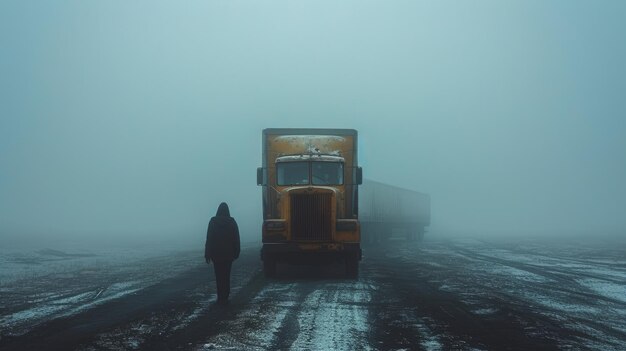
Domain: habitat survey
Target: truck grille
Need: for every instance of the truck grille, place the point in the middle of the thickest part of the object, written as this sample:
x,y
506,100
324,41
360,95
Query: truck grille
x,y
311,216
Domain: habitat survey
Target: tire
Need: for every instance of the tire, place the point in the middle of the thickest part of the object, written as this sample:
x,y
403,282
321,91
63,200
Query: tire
x,y
269,267
409,236
352,267
420,235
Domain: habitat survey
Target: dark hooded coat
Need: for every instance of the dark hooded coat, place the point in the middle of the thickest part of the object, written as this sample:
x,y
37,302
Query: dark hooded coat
x,y
222,237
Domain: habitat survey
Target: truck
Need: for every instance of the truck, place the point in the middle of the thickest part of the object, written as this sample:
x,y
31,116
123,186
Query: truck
x,y
386,209
309,179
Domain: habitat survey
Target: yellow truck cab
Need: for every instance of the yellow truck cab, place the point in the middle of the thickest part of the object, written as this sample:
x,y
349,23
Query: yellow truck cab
x,y
310,181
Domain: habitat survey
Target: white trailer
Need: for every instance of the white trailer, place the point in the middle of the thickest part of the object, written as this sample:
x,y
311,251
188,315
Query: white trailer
x,y
386,209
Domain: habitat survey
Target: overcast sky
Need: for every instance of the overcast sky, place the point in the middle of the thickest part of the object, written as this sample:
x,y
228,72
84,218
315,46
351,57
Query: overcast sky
x,y
136,119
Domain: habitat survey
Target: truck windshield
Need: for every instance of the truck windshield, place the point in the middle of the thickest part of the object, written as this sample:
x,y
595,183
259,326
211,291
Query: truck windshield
x,y
297,173
292,173
327,173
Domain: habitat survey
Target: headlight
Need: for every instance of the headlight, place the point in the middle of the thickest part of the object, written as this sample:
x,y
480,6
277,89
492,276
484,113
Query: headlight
x,y
275,225
346,226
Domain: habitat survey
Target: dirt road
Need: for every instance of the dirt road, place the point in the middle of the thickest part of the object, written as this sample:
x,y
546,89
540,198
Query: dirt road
x,y
438,295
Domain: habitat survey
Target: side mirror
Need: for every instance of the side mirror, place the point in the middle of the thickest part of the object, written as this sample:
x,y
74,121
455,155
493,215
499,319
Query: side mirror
x,y
260,179
359,176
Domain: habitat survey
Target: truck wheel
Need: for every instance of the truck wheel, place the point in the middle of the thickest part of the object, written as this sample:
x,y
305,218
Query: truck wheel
x,y
269,267
365,237
352,267
420,235
409,235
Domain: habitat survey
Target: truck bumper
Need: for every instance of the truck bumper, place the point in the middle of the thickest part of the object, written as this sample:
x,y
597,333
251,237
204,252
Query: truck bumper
x,y
310,253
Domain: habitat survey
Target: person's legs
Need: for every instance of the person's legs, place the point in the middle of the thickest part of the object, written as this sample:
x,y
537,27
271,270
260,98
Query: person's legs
x,y
227,267
219,278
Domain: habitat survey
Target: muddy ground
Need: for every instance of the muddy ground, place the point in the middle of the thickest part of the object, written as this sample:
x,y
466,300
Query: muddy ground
x,y
441,294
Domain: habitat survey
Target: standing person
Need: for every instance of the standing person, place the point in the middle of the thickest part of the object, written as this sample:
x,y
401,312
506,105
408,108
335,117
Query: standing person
x,y
222,246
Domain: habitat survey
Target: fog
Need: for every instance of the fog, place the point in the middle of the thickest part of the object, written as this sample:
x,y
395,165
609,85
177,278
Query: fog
x,y
131,121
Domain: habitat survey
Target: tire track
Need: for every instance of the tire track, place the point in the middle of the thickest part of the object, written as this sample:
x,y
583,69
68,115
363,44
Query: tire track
x,y
449,319
568,283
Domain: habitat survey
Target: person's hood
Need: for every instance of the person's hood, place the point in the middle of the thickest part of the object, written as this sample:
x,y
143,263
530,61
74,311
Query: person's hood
x,y
222,210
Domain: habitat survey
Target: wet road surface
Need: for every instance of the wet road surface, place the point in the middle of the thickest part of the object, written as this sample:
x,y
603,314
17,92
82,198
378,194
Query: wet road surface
x,y
436,295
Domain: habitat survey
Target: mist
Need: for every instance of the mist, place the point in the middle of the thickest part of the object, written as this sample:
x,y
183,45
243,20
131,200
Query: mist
x,y
130,122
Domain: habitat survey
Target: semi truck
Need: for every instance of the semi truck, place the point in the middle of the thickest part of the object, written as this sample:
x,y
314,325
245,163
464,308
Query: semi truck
x,y
309,180
385,210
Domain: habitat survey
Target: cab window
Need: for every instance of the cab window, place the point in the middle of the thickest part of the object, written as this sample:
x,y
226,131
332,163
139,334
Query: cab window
x,y
292,173
327,173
